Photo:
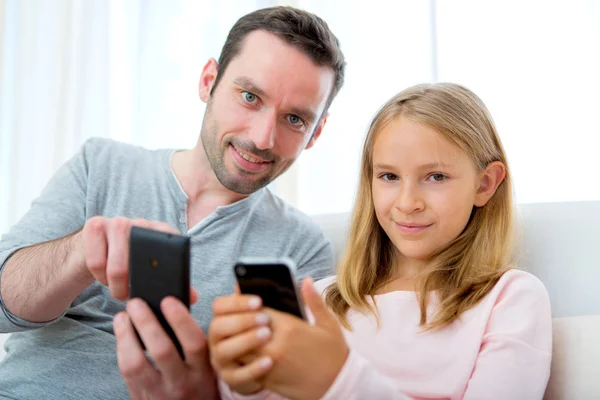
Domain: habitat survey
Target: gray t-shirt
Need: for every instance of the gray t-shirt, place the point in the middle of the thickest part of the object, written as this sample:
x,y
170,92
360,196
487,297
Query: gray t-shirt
x,y
73,357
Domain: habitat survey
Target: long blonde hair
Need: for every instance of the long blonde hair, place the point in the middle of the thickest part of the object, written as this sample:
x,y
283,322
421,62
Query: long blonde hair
x,y
467,268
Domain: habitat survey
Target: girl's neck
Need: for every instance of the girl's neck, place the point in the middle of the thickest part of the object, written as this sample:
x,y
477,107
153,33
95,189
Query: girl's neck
x,y
404,275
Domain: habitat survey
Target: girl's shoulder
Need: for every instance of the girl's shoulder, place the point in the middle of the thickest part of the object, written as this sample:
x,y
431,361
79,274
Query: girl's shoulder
x,y
518,295
516,282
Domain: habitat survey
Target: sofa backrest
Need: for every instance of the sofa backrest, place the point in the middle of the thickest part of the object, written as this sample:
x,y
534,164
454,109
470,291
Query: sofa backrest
x,y
559,243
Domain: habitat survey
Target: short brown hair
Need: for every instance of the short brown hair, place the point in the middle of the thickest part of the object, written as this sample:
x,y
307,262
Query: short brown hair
x,y
301,29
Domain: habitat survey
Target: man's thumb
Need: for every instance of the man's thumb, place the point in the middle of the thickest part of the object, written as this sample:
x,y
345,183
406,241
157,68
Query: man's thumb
x,y
315,303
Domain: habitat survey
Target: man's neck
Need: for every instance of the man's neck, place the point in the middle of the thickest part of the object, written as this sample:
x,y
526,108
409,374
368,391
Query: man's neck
x,y
204,191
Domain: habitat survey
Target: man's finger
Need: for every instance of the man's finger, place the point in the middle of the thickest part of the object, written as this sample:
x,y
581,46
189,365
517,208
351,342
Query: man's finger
x,y
95,248
190,335
159,345
117,269
193,295
133,364
164,227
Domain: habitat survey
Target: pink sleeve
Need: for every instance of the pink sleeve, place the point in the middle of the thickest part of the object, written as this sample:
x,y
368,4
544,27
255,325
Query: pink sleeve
x,y
359,380
514,359
228,394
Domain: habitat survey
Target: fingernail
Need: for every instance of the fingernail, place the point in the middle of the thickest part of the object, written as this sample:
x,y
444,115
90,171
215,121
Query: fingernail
x,y
254,302
266,362
262,319
263,333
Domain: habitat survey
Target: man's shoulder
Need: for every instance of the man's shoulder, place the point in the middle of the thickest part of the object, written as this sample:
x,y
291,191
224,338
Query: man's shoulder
x,y
107,158
106,149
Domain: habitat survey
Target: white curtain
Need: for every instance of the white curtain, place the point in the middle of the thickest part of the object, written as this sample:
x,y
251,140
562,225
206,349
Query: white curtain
x,y
128,70
535,63
122,69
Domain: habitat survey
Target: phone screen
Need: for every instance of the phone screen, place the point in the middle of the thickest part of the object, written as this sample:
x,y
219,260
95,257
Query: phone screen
x,y
273,282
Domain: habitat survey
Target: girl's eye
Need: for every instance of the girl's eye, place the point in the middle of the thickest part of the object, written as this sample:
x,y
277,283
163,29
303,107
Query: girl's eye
x,y
295,120
437,177
249,97
389,177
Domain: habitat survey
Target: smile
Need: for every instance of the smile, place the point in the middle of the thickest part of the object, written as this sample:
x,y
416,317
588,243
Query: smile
x,y
248,162
248,157
410,228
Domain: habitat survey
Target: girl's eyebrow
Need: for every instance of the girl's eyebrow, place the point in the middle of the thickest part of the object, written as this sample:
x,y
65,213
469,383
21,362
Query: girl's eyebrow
x,y
383,166
435,165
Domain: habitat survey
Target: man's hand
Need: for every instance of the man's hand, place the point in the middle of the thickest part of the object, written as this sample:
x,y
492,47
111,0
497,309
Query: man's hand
x,y
106,250
170,377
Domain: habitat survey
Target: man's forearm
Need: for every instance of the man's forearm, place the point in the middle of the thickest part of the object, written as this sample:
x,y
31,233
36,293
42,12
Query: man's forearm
x,y
39,282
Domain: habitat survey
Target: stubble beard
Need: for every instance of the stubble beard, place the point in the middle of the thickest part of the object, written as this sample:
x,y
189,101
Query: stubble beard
x,y
239,182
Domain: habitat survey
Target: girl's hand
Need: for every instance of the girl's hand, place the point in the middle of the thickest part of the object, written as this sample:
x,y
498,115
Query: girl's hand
x,y
306,358
237,330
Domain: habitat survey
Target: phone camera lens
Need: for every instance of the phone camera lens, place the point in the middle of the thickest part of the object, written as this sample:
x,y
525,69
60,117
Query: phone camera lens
x,y
241,270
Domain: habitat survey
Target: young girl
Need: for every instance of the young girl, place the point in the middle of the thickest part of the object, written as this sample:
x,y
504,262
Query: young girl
x,y
428,304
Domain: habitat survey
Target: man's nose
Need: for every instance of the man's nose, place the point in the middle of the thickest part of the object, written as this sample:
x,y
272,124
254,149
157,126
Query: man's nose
x,y
263,130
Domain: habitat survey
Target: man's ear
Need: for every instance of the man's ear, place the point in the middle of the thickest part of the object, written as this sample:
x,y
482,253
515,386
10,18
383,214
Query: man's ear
x,y
490,179
207,79
317,133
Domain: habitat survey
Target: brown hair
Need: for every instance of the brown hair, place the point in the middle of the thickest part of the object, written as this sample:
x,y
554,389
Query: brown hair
x,y
468,267
301,29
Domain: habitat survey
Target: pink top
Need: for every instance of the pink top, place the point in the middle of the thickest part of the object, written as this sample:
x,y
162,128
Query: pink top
x,y
500,349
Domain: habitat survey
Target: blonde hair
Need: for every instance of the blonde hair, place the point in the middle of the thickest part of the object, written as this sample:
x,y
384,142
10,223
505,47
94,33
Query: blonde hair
x,y
467,268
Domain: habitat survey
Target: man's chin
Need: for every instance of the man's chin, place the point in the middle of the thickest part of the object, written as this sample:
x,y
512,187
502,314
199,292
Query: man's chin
x,y
243,185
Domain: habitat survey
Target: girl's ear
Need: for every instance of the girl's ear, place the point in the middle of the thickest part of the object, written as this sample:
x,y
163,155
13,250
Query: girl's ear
x,y
490,179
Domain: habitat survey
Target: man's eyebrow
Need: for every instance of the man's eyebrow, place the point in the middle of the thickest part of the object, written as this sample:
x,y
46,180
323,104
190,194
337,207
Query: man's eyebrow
x,y
308,115
247,84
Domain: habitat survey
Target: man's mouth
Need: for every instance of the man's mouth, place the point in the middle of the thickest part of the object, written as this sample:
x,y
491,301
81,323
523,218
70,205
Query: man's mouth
x,y
249,162
249,157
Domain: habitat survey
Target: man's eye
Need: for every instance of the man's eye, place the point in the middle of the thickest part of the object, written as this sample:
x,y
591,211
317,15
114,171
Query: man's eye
x,y
249,97
295,120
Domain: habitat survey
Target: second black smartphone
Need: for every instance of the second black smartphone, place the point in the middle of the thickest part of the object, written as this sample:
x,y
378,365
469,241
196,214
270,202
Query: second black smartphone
x,y
159,266
273,280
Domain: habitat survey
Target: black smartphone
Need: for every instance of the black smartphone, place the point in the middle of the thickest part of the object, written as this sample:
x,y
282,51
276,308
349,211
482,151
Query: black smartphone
x,y
159,266
273,280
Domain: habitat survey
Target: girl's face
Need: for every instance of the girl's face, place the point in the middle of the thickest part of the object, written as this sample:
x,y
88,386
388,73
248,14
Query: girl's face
x,y
424,188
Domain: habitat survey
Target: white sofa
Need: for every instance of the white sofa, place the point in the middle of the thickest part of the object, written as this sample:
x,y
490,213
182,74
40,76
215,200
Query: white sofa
x,y
558,245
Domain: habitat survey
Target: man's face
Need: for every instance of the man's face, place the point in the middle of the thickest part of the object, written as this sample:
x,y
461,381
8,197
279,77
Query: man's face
x,y
263,112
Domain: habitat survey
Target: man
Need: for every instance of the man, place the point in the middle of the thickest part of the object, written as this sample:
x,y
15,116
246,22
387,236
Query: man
x,y
64,269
